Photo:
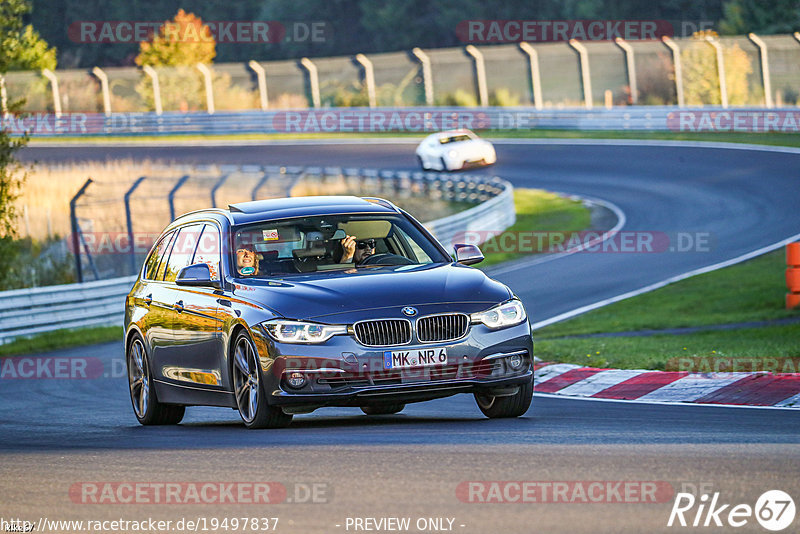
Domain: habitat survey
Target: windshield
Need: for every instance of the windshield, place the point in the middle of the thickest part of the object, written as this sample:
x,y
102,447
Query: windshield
x,y
330,242
454,139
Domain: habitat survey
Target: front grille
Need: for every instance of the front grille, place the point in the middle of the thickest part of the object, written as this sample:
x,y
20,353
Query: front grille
x,y
445,327
383,333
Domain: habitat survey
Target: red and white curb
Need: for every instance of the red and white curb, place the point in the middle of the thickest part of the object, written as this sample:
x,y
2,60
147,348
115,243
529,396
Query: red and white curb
x,y
742,389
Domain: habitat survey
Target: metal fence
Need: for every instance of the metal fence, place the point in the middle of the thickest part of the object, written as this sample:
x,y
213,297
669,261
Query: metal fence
x,y
117,253
544,75
113,227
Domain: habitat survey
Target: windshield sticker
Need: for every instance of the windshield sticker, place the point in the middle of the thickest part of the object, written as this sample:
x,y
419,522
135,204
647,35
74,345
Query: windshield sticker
x,y
270,235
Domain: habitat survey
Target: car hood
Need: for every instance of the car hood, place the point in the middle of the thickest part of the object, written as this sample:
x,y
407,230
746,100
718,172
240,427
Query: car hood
x,y
356,294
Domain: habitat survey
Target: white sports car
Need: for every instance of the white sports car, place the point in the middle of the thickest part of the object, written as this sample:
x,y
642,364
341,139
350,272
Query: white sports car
x,y
454,149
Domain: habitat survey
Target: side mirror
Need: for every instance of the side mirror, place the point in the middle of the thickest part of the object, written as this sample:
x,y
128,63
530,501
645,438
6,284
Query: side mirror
x,y
468,254
198,275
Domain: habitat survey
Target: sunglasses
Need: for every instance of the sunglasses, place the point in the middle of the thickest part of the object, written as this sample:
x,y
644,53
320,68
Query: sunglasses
x,y
367,243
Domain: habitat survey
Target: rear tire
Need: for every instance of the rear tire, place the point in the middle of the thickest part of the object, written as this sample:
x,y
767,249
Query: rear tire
x,y
384,409
421,163
512,406
146,408
248,388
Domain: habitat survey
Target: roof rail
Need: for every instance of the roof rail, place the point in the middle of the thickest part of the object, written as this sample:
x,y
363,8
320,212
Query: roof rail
x,y
383,202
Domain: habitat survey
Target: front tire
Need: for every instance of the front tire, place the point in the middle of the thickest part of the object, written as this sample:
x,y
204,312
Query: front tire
x,y
421,163
249,389
384,409
146,408
512,406
444,165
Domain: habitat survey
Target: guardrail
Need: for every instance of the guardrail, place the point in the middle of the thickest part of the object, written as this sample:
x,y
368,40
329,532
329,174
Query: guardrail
x,y
36,310
44,309
415,120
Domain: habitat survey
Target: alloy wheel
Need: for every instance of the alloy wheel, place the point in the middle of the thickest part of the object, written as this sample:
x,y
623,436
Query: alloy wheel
x,y
139,378
246,378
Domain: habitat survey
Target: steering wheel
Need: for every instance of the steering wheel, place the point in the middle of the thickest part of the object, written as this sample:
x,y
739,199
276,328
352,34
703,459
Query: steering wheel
x,y
386,259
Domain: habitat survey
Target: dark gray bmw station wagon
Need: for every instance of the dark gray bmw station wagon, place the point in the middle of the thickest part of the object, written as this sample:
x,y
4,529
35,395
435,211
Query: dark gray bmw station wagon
x,y
279,307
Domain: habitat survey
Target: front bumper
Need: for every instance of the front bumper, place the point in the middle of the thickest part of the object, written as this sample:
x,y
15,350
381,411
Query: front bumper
x,y
342,372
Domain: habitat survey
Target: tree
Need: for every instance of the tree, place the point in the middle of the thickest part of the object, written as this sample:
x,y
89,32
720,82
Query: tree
x,y
744,16
700,80
180,44
20,48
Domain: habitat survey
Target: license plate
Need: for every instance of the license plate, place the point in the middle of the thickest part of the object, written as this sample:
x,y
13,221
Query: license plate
x,y
403,359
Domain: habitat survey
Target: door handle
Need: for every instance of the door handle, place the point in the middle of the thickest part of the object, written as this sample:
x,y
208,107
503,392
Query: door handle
x,y
148,299
224,302
178,306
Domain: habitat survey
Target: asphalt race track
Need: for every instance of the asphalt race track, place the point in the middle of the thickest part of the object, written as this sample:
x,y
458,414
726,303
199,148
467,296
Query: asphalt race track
x,y
57,433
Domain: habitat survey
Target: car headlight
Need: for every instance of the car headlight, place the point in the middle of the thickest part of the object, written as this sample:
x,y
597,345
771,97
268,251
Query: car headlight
x,y
298,332
507,314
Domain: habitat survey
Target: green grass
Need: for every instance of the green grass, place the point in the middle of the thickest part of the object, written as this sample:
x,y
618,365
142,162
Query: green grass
x,y
61,339
537,211
653,352
769,138
750,291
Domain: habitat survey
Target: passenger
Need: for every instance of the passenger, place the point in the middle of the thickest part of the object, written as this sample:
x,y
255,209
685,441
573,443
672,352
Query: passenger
x,y
246,260
356,251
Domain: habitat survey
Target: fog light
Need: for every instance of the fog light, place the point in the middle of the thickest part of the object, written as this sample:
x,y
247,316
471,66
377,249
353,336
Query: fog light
x,y
516,361
296,380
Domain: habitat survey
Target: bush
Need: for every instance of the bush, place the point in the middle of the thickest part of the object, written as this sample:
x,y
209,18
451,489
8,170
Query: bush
x,y
460,98
656,81
503,97
700,80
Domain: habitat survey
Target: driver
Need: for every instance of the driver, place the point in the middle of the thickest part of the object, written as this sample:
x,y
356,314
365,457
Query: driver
x,y
356,251
246,261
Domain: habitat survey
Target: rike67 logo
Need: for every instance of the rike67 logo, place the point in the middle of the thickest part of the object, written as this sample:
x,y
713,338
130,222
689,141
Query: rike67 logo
x,y
774,510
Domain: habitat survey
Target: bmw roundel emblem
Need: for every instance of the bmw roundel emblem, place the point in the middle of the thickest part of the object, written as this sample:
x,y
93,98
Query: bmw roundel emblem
x,y
409,311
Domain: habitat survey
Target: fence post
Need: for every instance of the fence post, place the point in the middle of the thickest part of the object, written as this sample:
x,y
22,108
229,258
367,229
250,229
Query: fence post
x,y
536,80
369,78
171,196
261,74
427,74
630,67
101,75
676,62
202,67
73,219
586,77
150,71
217,185
765,78
3,98
264,177
480,74
50,75
723,87
129,220
313,80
